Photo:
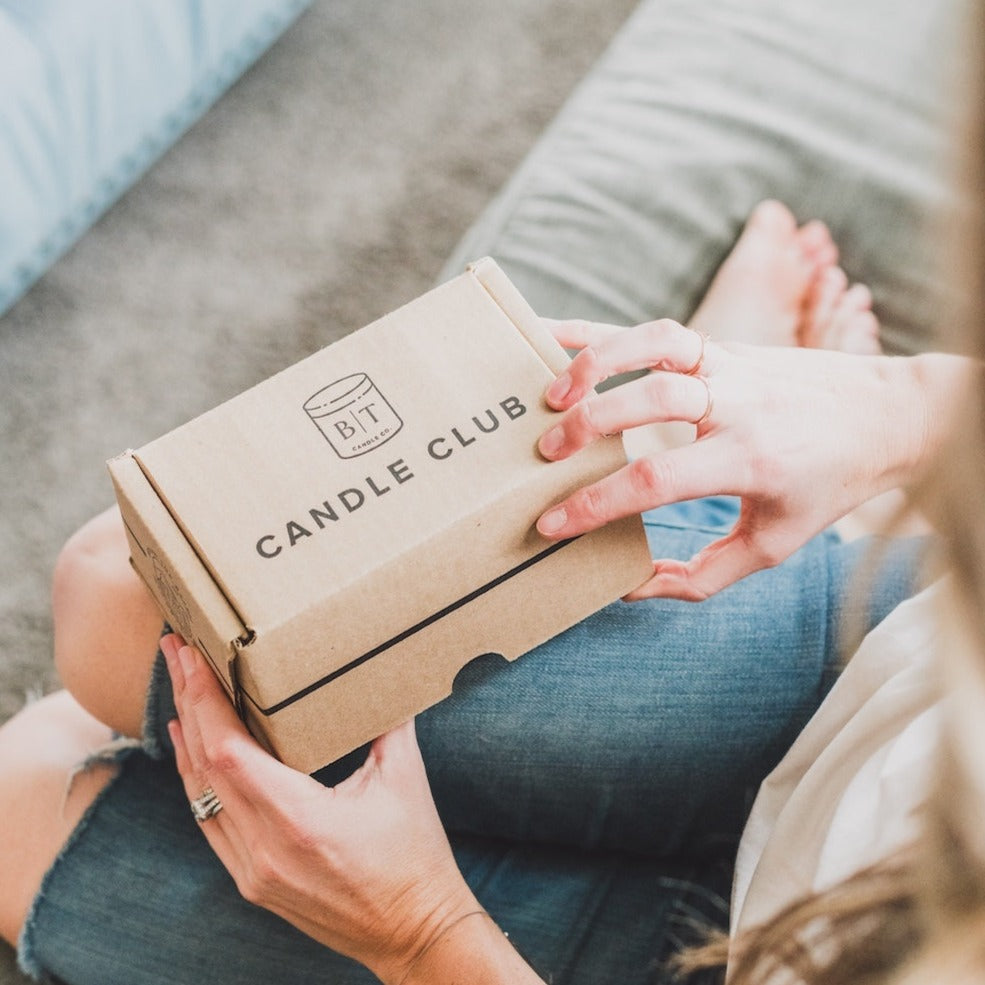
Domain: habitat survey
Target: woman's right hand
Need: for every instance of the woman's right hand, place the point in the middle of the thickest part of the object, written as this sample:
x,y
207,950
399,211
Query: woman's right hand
x,y
364,867
802,436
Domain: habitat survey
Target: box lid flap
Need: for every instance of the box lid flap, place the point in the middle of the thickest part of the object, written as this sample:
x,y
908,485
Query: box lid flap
x,y
309,481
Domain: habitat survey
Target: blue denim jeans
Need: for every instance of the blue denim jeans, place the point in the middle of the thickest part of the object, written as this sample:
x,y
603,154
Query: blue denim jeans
x,y
594,789
645,727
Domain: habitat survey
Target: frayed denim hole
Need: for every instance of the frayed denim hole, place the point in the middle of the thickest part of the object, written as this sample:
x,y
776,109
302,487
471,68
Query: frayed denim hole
x,y
111,753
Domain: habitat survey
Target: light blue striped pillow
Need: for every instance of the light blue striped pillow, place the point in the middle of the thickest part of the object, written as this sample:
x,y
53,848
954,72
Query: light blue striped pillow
x,y
92,92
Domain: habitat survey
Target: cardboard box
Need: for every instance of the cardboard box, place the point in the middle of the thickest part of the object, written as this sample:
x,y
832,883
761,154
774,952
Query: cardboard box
x,y
343,538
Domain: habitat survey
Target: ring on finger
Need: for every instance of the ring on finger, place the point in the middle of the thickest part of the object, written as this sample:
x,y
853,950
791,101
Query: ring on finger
x,y
206,805
703,419
696,368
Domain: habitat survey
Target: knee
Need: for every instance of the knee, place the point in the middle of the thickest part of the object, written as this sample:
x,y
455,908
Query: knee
x,y
41,749
79,568
106,624
83,562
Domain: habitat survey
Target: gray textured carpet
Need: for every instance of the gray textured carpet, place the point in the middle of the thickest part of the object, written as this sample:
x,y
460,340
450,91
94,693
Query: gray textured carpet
x,y
325,189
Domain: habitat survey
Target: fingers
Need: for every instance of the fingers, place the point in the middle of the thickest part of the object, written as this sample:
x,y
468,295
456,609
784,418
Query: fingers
x,y
220,830
395,759
660,344
716,567
655,398
682,473
576,333
213,748
398,748
720,564
207,718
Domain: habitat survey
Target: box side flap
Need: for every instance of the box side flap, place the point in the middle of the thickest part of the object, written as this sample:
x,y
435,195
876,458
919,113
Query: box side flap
x,y
205,570
172,571
501,289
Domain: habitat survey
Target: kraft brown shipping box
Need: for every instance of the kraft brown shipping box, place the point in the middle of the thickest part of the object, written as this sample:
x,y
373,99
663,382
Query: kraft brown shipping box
x,y
343,538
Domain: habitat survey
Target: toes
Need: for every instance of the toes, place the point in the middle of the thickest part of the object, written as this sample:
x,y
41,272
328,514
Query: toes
x,y
820,308
860,334
852,329
836,280
859,297
774,217
815,241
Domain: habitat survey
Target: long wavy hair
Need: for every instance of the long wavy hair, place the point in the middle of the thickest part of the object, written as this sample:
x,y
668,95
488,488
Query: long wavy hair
x,y
918,918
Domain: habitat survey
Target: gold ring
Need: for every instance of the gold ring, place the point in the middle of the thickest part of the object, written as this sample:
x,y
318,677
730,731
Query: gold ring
x,y
693,371
703,419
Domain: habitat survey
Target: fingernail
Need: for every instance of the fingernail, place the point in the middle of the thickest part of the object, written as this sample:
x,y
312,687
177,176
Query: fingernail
x,y
550,443
559,389
552,521
186,657
169,647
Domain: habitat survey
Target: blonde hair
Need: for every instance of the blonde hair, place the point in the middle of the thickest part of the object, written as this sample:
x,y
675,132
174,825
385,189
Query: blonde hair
x,y
918,917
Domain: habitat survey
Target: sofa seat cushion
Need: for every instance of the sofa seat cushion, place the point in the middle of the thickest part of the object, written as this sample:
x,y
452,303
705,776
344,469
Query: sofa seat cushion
x,y
698,111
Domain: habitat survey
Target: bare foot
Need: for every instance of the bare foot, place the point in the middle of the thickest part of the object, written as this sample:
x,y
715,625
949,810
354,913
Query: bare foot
x,y
839,317
759,293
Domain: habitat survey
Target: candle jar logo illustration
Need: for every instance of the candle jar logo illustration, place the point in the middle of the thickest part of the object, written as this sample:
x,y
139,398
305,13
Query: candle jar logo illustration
x,y
353,415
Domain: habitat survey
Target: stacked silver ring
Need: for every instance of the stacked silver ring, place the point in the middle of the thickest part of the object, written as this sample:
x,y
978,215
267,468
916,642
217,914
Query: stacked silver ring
x,y
206,805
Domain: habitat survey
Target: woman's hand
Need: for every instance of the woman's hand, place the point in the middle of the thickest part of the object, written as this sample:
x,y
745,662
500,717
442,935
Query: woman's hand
x,y
801,435
363,867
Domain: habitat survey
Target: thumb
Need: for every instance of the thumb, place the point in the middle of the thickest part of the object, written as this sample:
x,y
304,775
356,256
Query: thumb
x,y
720,564
397,746
394,757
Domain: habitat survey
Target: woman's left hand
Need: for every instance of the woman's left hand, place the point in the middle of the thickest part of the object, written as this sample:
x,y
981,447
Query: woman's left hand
x,y
802,436
363,867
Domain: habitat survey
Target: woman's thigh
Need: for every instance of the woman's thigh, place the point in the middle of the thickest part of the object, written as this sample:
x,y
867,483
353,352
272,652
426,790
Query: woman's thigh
x,y
644,727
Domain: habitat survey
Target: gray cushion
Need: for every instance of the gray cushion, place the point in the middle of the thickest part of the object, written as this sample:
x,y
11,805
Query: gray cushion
x,y
699,110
